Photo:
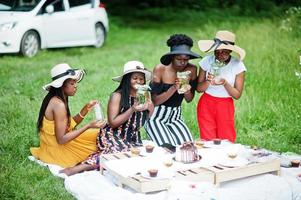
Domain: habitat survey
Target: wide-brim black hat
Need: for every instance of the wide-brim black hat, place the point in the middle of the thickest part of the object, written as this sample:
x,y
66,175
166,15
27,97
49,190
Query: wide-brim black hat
x,y
178,50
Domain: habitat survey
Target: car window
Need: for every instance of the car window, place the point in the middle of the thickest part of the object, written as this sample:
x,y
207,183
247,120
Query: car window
x,y
74,3
18,5
58,5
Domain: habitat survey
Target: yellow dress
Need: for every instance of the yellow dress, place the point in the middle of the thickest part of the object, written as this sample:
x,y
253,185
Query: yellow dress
x,y
64,155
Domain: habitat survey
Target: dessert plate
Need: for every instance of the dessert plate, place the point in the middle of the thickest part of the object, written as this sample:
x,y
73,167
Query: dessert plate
x,y
235,162
162,174
199,158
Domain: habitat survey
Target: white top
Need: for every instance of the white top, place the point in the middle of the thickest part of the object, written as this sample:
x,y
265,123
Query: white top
x,y
227,72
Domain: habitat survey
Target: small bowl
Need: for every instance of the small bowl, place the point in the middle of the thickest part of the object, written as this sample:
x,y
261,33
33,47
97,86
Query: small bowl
x,y
135,151
168,163
199,144
217,141
295,163
254,147
149,148
153,172
232,155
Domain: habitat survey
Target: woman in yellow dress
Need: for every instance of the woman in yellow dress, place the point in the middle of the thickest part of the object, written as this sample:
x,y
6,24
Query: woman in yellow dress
x,y
60,142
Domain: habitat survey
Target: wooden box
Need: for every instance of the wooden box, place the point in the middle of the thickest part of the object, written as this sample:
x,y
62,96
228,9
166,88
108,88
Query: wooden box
x,y
215,174
145,185
223,174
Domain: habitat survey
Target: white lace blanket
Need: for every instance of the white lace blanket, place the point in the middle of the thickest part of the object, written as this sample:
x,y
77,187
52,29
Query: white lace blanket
x,y
93,186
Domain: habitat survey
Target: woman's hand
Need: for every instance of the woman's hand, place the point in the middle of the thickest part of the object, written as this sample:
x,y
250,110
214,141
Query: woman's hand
x,y
210,77
218,81
97,124
89,106
138,107
84,111
188,88
149,105
177,83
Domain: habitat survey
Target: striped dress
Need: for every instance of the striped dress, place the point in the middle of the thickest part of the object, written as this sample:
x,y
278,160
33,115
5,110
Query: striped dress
x,y
113,140
166,124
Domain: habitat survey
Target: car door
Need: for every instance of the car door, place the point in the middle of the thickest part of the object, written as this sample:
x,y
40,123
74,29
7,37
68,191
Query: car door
x,y
56,24
81,13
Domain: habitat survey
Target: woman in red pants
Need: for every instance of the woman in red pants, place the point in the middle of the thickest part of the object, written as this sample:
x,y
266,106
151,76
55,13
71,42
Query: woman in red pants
x,y
221,79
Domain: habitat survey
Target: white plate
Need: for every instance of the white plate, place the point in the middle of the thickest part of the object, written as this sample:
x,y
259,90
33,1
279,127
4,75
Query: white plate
x,y
162,174
235,162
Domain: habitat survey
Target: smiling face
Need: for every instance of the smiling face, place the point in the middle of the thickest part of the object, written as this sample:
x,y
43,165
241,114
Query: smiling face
x,y
137,78
69,87
222,55
179,62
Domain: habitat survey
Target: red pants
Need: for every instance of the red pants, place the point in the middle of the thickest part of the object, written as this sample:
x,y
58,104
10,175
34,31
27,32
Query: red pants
x,y
216,118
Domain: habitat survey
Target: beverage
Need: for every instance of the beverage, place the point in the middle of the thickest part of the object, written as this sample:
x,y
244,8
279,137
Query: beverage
x,y
98,112
142,93
184,81
215,69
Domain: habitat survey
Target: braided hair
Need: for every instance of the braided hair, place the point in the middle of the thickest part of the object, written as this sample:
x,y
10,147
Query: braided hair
x,y
53,92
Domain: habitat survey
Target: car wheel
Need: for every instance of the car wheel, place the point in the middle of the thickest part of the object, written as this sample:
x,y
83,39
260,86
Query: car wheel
x,y
100,35
30,44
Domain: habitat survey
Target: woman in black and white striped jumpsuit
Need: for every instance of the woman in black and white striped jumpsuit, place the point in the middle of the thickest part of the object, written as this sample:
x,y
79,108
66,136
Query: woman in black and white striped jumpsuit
x,y
166,124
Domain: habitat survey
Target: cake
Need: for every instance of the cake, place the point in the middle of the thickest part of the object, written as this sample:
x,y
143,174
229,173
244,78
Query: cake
x,y
199,144
232,155
254,147
149,148
135,151
295,163
217,141
168,162
153,172
187,153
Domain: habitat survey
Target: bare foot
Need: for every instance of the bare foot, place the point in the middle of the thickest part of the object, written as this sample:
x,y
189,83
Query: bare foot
x,y
77,169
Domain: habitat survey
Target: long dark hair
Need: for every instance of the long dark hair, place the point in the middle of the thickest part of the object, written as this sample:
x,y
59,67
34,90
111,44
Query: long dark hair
x,y
53,92
124,89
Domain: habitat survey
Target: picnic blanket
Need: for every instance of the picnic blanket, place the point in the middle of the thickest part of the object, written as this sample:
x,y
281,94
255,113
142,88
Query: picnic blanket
x,y
93,185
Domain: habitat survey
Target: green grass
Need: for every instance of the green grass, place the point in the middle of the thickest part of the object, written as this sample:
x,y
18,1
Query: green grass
x,y
267,115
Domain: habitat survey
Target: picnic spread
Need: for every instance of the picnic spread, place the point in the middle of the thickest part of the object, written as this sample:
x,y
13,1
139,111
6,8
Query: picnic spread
x,y
219,171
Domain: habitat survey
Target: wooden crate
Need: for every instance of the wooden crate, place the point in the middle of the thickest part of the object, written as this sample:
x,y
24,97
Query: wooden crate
x,y
223,174
196,174
215,174
145,185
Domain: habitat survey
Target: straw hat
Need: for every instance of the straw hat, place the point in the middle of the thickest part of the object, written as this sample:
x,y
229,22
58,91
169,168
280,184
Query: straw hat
x,y
62,72
133,66
178,50
222,40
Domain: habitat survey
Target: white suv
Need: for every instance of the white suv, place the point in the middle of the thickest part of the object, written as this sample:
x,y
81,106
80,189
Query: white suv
x,y
29,25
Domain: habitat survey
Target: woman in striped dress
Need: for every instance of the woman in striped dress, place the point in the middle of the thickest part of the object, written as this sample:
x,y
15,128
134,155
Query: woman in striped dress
x,y
166,124
125,117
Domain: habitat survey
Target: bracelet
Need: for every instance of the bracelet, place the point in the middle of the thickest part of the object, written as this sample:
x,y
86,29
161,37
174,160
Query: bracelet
x,y
224,83
83,117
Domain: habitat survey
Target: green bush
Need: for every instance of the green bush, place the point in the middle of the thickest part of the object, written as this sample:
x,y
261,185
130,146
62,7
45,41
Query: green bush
x,y
292,21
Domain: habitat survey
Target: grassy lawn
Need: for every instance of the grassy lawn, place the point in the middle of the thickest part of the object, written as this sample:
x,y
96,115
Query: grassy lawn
x,y
267,115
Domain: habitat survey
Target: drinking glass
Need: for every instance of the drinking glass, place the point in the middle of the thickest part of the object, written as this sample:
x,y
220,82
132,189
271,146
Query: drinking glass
x,y
99,115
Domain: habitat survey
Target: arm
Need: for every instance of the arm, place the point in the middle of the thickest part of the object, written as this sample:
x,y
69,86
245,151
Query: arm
x,y
150,107
157,78
60,123
84,111
189,95
203,84
115,119
235,91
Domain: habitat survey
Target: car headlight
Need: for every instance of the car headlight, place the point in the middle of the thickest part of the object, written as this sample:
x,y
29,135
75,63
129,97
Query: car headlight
x,y
7,26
